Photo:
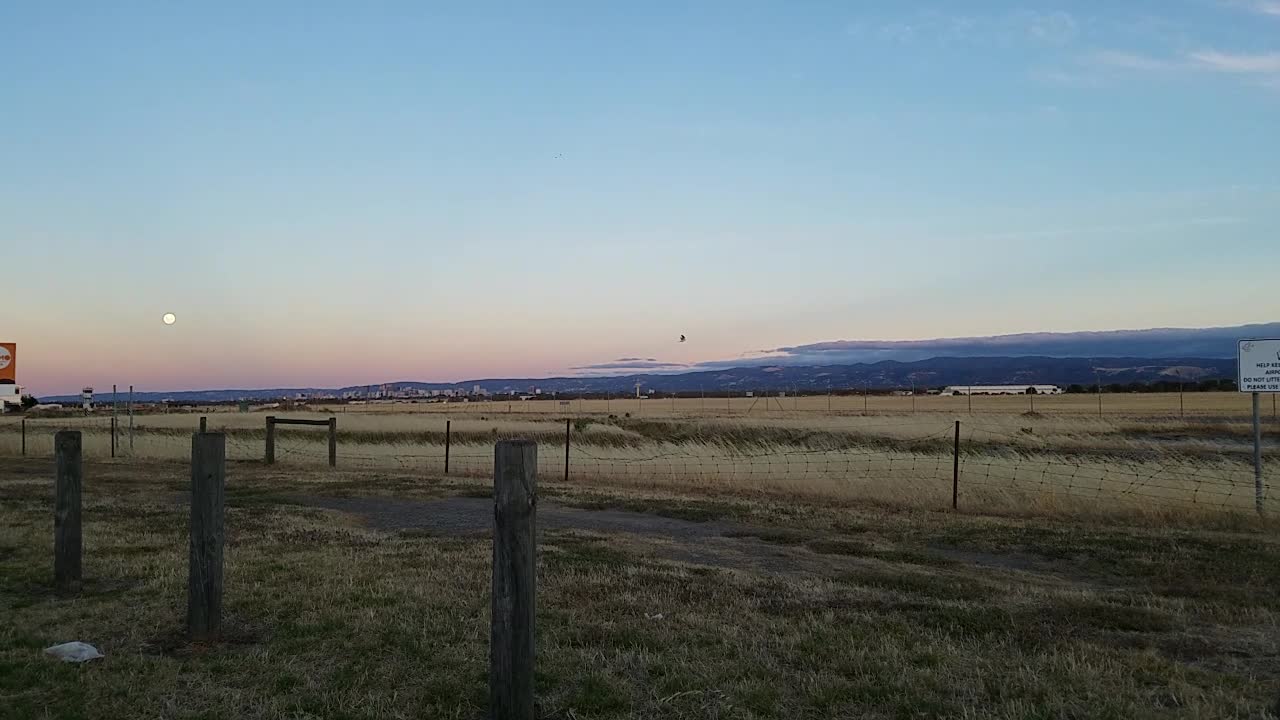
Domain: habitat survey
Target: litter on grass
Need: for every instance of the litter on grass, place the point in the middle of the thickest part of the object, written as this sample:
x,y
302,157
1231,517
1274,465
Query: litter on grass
x,y
76,652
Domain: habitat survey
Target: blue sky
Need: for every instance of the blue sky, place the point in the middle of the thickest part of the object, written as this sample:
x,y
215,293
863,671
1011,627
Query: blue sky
x,y
345,193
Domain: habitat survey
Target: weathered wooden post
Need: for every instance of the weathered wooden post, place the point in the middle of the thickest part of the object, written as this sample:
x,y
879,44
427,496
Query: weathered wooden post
x,y
204,577
511,639
271,440
333,442
448,427
66,513
567,428
24,436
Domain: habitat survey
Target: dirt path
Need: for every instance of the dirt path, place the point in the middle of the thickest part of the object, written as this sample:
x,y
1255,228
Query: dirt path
x,y
465,515
715,544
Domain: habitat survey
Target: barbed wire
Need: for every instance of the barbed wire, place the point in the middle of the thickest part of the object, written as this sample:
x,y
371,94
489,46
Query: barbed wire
x,y
1024,466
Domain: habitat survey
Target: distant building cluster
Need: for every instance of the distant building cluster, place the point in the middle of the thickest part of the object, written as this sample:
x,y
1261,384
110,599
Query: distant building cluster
x,y
407,392
1002,390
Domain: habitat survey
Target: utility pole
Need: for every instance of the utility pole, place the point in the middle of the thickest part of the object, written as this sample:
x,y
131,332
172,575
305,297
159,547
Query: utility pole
x,y
1098,378
1182,414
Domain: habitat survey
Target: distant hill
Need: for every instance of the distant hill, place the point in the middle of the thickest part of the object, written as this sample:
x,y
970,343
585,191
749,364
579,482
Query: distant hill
x,y
1217,342
933,372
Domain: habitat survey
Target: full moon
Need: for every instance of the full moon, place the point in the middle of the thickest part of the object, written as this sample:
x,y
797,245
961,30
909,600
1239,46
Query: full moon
x,y
170,318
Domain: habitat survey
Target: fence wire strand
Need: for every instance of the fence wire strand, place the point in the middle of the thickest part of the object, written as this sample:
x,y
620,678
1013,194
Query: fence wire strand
x,y
993,461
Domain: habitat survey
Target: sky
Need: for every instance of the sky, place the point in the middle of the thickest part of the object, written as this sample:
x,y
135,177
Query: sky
x,y
329,194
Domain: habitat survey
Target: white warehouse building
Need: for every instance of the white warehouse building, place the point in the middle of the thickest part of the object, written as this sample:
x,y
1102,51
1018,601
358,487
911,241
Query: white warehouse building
x,y
1002,390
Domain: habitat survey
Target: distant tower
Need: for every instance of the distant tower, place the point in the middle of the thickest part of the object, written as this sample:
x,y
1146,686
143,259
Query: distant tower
x,y
638,384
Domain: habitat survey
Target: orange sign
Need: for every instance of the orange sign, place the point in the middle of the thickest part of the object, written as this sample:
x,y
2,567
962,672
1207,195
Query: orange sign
x,y
8,362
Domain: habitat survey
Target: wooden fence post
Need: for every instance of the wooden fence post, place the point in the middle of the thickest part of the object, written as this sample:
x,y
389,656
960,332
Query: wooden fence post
x,y
448,427
271,440
204,577
333,442
511,639
24,436
567,427
66,513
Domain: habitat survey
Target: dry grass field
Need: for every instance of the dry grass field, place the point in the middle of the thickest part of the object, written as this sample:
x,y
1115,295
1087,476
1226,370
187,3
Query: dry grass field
x,y
363,593
1138,458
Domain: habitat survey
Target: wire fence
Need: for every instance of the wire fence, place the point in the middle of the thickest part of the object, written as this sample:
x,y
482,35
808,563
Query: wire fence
x,y
992,466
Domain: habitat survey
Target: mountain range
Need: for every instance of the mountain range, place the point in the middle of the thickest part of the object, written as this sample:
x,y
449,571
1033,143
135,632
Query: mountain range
x,y
933,372
1118,356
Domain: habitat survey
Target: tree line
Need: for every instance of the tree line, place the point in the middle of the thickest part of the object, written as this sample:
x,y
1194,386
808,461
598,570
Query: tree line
x,y
1159,386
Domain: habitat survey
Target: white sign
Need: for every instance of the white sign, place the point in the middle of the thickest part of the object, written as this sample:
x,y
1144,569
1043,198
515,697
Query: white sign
x,y
1259,365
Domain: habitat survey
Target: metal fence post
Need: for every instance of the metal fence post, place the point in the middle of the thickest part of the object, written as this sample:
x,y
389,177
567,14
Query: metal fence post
x,y
955,470
204,576
1257,454
511,638
567,427
66,513
448,431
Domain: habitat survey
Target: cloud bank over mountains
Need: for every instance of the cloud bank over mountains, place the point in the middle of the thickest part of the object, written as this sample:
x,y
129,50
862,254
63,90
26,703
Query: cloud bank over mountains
x,y
1152,343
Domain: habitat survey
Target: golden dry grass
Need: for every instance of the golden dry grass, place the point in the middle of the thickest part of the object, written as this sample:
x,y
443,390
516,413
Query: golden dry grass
x,y
1061,463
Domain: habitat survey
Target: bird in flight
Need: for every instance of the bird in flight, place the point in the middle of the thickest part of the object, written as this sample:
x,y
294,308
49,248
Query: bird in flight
x,y
681,338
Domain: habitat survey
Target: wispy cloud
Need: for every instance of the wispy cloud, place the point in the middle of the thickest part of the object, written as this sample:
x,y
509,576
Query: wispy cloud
x,y
1131,61
1262,67
1066,78
1264,7
1054,27
1263,63
1045,28
631,364
898,32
